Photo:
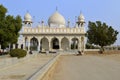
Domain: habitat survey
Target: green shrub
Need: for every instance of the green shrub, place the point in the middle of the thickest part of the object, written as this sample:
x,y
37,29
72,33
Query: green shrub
x,y
118,48
19,53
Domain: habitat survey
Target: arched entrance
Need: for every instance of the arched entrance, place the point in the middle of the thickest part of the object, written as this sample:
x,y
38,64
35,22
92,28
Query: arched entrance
x,y
44,44
34,44
55,43
74,43
65,43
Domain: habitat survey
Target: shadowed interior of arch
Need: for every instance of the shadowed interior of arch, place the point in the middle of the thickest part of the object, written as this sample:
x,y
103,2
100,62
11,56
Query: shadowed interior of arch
x,y
33,44
55,43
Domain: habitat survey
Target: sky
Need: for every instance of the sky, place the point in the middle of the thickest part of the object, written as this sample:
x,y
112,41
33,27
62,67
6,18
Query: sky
x,y
107,11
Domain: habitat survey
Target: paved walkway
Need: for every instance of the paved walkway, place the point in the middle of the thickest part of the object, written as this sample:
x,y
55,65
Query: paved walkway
x,y
86,68
25,69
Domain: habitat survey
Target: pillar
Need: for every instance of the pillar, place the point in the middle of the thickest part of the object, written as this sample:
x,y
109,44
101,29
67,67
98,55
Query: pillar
x,y
19,46
60,48
39,46
69,44
24,46
28,46
13,46
84,43
49,40
80,46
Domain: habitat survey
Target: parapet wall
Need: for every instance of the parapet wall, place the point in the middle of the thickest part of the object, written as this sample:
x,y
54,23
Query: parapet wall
x,y
47,30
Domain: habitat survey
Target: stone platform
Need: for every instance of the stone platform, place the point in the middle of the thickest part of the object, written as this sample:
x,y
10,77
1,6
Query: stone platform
x,y
25,69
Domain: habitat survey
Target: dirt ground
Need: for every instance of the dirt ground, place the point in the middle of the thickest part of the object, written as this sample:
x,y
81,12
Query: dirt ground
x,y
113,54
91,66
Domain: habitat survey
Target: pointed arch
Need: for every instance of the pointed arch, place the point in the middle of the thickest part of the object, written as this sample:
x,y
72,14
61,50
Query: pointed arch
x,y
34,44
65,43
44,44
55,43
74,43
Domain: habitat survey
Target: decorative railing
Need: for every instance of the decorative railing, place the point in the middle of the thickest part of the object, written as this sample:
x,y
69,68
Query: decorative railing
x,y
48,30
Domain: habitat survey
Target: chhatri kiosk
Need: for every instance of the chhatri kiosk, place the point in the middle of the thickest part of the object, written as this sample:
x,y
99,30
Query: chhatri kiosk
x,y
54,36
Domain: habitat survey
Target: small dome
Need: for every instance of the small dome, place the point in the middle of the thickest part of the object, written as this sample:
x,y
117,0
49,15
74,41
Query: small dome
x,y
81,18
56,18
27,17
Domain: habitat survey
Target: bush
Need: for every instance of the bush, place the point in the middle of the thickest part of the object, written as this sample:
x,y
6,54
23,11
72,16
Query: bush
x,y
19,53
118,48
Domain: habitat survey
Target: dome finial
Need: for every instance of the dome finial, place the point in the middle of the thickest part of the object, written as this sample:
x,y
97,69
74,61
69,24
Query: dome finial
x,y
27,11
80,12
56,8
81,18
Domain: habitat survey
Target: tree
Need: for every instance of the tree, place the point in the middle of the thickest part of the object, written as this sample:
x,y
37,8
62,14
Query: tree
x,y
9,28
101,34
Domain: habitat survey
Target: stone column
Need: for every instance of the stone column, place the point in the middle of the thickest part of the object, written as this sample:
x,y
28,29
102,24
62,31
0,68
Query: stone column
x,y
49,44
28,46
24,46
84,43
60,48
80,46
19,46
39,46
69,44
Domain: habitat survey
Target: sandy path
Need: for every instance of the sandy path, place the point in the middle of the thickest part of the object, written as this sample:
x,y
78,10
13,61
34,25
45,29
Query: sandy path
x,y
86,67
26,69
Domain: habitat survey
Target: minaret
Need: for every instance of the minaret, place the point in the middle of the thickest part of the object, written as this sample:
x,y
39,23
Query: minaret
x,y
27,20
68,22
81,20
42,22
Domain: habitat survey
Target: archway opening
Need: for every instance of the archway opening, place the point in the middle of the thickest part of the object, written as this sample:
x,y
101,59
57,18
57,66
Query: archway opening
x,y
55,43
74,43
65,43
44,44
34,44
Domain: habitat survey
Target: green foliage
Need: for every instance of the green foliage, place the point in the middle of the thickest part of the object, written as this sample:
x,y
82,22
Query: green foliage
x,y
9,28
19,53
3,11
118,48
101,34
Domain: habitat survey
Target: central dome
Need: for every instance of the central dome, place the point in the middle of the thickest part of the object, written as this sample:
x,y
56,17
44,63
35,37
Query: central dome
x,y
56,18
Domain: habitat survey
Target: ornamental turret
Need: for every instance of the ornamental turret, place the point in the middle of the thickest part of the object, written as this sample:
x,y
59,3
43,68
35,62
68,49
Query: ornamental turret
x,y
27,20
81,20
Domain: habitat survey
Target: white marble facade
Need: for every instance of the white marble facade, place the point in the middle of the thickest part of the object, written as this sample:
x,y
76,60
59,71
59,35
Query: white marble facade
x,y
54,36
